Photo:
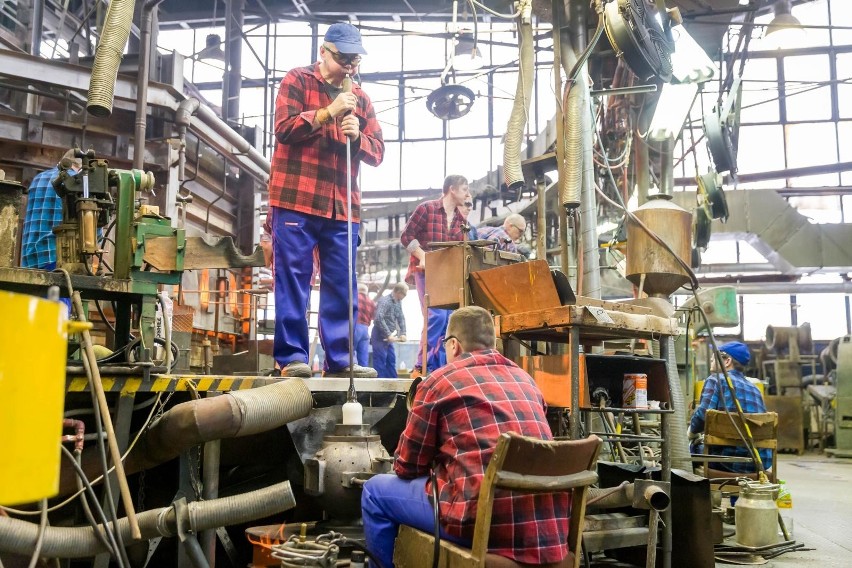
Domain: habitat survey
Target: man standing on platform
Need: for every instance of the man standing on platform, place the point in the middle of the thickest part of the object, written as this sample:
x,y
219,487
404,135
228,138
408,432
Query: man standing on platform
x,y
316,113
434,221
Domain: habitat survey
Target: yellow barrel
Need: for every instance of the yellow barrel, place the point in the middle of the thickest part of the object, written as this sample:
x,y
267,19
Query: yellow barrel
x,y
33,345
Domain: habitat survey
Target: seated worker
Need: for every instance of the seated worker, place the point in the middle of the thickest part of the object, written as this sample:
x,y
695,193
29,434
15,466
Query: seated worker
x,y
388,328
717,396
506,236
459,412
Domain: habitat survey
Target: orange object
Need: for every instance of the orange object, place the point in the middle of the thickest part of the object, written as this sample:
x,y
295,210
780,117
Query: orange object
x,y
552,374
635,390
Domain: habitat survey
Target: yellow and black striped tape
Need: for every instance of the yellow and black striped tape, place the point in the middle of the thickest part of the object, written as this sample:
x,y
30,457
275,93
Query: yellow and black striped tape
x,y
170,383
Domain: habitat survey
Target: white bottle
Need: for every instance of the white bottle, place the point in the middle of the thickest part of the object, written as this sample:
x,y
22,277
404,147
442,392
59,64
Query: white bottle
x,y
403,368
353,414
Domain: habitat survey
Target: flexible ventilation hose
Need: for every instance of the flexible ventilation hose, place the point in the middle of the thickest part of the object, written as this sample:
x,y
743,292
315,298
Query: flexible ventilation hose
x,y
17,536
116,30
680,457
512,173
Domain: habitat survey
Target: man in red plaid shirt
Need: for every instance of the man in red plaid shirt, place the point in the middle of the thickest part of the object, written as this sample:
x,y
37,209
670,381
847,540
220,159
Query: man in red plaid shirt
x,y
459,412
314,117
435,221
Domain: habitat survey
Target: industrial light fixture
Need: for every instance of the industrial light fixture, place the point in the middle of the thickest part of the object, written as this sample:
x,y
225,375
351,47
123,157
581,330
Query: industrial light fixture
x,y
466,55
672,110
690,63
785,31
212,49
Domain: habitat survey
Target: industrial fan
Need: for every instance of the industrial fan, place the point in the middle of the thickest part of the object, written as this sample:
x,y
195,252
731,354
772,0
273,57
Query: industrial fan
x,y
450,101
637,36
711,197
720,129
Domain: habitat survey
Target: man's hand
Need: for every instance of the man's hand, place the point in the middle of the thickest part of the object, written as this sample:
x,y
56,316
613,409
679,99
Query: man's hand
x,y
691,435
402,339
420,255
351,127
345,102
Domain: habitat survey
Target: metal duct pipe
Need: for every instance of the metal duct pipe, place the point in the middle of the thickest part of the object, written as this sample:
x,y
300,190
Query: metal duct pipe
x,y
146,24
115,32
233,415
241,144
17,536
37,24
844,287
680,458
666,148
622,496
186,109
513,175
578,187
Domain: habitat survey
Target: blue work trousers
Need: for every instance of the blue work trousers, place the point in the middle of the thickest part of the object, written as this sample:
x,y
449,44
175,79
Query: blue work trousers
x,y
384,355
387,502
362,344
436,329
294,236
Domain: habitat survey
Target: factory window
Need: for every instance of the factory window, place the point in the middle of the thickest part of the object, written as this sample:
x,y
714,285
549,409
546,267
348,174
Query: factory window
x,y
385,97
825,313
761,149
760,102
761,310
807,86
423,164
843,63
386,176
819,208
811,144
384,50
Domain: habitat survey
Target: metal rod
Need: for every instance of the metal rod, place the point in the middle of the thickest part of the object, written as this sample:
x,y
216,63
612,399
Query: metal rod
x,y
624,91
351,397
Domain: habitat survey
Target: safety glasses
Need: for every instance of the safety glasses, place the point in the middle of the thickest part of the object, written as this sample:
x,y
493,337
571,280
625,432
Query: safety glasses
x,y
343,58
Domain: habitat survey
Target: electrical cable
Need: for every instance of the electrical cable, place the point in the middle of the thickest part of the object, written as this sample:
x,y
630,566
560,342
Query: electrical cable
x,y
110,534
746,437
98,479
42,526
436,550
87,511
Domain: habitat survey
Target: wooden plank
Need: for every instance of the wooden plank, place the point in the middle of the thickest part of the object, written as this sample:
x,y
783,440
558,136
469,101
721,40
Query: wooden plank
x,y
414,549
160,252
622,323
613,306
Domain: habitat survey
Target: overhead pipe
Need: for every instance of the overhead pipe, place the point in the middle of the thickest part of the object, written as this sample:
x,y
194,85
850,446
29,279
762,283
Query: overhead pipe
x,y
114,34
232,415
147,26
513,175
17,536
184,113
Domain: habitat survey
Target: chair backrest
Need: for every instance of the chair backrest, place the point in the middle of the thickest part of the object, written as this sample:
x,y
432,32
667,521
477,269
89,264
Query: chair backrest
x,y
529,465
719,431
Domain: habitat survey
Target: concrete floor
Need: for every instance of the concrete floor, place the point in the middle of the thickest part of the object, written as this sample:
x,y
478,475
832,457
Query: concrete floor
x,y
821,487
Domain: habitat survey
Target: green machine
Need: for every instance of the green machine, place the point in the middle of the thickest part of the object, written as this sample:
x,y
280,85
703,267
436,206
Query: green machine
x,y
843,400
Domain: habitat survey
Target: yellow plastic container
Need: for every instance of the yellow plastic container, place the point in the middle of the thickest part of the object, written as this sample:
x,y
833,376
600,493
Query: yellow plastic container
x,y
33,345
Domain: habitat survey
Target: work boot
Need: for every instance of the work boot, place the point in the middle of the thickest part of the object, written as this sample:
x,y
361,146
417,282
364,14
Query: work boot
x,y
359,372
296,369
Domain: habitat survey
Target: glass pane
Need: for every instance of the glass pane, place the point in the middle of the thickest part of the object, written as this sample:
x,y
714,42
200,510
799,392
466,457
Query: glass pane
x,y
469,158
811,144
419,122
385,98
819,208
843,63
846,203
815,14
292,47
825,313
384,51
760,91
386,176
423,164
802,99
841,15
761,148
761,310
420,46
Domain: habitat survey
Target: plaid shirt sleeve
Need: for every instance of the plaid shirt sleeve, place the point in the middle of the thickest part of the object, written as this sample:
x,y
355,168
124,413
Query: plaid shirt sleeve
x,y
44,212
308,168
709,401
428,224
366,309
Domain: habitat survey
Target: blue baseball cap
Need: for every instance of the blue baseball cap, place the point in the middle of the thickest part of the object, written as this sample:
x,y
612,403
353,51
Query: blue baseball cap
x,y
737,351
345,37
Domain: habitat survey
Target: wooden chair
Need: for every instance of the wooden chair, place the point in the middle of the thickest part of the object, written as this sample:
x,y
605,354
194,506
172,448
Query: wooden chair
x,y
524,465
719,431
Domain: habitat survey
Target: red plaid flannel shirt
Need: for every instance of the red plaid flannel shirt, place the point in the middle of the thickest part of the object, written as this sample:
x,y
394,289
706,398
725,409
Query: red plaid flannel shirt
x,y
366,309
308,172
428,224
459,412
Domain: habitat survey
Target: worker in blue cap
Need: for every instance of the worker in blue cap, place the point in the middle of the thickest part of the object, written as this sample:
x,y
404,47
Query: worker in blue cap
x,y
717,395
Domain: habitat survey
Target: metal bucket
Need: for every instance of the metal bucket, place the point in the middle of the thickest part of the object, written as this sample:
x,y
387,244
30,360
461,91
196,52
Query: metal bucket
x,y
756,514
